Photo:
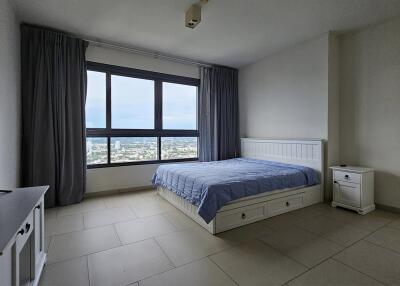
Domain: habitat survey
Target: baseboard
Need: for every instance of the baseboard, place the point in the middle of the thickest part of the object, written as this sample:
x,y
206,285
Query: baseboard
x,y
116,191
387,208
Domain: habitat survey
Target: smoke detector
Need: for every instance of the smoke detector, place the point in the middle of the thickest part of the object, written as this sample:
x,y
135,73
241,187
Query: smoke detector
x,y
193,15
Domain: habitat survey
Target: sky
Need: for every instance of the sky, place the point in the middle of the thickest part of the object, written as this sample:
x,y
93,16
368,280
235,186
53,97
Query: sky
x,y
133,103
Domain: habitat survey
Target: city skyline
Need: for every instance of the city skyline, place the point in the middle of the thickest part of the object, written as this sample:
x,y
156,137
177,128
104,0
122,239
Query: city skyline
x,y
131,149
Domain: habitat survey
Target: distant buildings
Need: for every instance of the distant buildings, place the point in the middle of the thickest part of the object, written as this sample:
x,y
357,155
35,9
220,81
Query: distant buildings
x,y
140,149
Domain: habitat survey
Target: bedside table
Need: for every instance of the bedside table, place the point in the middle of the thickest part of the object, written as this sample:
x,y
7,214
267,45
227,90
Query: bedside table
x,y
353,188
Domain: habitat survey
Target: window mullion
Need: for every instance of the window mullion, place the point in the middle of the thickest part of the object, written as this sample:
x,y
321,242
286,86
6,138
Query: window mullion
x,y
109,149
159,147
158,114
108,101
108,115
158,104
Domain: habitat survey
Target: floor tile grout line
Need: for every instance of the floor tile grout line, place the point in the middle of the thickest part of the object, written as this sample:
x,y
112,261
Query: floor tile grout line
x,y
165,271
106,225
308,270
220,268
333,258
357,270
189,262
75,231
282,253
384,247
362,239
164,252
335,254
312,233
116,232
320,213
88,270
80,256
122,244
67,215
321,235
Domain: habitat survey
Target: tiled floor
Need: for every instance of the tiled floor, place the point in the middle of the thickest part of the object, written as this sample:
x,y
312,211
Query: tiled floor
x,y
138,239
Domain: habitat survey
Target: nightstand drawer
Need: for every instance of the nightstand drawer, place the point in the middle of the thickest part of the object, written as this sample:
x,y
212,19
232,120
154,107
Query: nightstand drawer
x,y
347,177
348,194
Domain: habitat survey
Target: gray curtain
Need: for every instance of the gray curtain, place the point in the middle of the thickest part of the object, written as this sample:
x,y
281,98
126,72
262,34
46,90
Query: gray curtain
x,y
219,114
53,80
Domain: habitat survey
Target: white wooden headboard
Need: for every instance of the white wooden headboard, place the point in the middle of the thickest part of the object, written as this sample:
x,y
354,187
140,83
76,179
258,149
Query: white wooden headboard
x,y
309,153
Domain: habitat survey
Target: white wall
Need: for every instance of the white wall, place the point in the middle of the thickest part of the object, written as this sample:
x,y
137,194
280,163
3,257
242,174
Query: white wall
x,y
135,176
332,146
370,105
294,94
9,97
285,95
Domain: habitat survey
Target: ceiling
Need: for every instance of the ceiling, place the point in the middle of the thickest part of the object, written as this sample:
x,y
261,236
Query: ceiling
x,y
232,32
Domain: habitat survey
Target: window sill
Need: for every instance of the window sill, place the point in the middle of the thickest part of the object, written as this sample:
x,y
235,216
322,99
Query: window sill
x,y
123,164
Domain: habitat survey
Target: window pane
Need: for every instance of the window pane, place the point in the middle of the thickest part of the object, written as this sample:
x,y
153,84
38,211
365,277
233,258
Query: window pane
x,y
132,103
129,149
96,100
179,106
178,147
96,150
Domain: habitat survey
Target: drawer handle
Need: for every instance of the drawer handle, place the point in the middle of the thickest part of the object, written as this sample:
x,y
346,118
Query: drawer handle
x,y
287,204
21,232
27,227
243,216
346,177
38,207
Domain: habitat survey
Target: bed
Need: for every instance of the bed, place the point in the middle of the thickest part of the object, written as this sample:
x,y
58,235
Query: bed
x,y
271,177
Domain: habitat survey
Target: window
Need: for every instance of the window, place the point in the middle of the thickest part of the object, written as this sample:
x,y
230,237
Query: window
x,y
139,117
179,106
96,150
132,105
96,100
178,147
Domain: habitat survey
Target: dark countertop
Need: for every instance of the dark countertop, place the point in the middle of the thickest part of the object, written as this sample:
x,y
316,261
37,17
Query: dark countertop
x,y
14,209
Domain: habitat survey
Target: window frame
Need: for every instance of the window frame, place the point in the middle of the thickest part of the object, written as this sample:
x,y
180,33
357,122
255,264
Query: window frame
x,y
158,131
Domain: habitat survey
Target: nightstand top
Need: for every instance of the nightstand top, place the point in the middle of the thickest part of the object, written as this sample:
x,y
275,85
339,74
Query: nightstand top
x,y
354,169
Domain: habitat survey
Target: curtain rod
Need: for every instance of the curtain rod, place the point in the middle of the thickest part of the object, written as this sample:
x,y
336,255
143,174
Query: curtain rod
x,y
145,52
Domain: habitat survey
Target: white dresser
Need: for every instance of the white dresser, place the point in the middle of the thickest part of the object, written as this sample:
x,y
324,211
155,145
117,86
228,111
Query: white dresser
x,y
353,188
22,253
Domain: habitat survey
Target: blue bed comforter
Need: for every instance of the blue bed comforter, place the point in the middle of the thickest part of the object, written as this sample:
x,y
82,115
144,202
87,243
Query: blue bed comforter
x,y
211,185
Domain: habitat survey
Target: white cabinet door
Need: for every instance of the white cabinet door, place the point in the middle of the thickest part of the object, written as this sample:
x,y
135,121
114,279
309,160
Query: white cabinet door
x,y
348,194
6,268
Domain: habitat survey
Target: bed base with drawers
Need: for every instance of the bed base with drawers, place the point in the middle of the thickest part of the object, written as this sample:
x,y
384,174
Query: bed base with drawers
x,y
247,210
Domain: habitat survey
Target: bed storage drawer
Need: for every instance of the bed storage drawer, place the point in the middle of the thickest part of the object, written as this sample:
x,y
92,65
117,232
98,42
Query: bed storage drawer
x,y
282,205
240,216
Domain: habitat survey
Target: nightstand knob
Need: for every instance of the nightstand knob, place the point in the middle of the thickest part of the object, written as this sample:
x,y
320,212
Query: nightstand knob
x,y
243,216
287,204
347,177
